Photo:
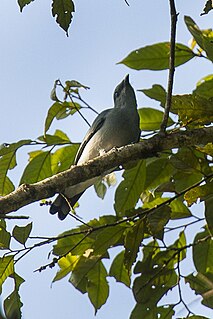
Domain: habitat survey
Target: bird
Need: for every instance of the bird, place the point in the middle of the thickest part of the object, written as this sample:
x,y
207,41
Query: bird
x,y
114,127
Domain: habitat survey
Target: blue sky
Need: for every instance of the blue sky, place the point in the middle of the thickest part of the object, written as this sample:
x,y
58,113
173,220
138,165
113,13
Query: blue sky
x,y
35,52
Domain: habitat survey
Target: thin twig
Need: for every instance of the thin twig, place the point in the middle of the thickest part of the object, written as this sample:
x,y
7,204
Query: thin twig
x,y
173,15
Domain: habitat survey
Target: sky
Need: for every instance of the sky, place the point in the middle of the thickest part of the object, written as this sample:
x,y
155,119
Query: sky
x,y
34,53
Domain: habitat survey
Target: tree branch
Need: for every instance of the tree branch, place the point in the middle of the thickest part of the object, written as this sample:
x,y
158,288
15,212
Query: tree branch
x,y
26,194
173,15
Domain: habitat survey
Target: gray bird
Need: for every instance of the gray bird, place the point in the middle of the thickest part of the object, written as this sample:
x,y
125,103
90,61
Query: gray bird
x,y
112,128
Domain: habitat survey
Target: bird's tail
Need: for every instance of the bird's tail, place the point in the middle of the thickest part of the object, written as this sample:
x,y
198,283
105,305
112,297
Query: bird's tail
x,y
62,205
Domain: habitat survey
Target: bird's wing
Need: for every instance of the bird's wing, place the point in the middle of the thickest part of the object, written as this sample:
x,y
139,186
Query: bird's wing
x,y
96,125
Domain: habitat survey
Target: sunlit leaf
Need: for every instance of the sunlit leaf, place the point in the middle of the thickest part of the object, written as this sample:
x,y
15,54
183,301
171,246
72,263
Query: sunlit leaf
x,y
38,168
151,119
199,192
100,188
5,237
157,92
205,87
66,264
208,213
156,56
203,38
6,269
63,158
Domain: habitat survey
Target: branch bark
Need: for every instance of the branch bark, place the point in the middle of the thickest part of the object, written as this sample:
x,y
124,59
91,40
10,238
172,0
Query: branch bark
x,y
26,194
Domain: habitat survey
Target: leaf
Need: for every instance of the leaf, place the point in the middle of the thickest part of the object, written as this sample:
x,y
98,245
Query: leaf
x,y
129,190
157,219
59,111
97,287
59,138
5,237
75,84
199,192
208,213
6,269
8,162
38,168
207,149
157,92
23,3
100,188
202,284
119,271
63,10
63,158
203,253
208,7
79,276
142,311
107,238
151,119
66,264
132,243
179,210
74,242
158,171
204,87
192,109
156,56
13,304
203,38
21,234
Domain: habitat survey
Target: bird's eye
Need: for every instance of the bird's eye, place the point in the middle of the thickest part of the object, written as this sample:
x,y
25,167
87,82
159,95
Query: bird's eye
x,y
116,94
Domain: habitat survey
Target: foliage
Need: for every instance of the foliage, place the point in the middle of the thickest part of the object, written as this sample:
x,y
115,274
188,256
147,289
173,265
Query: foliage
x,y
152,201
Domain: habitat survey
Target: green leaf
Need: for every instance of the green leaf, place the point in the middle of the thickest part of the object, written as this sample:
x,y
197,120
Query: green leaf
x,y
157,92
100,188
129,190
203,38
199,192
179,210
79,277
13,304
59,138
203,252
208,213
5,237
63,10
63,158
6,269
119,271
158,171
38,168
208,7
132,243
192,109
157,219
59,111
8,162
156,56
142,311
21,234
23,3
72,241
151,119
107,238
179,245
202,284
207,149
97,287
66,264
204,87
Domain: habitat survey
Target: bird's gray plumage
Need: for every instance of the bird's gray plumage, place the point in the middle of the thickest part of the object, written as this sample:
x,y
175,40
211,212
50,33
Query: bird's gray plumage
x,y
114,127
